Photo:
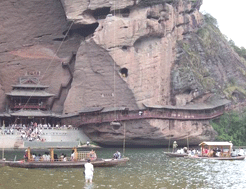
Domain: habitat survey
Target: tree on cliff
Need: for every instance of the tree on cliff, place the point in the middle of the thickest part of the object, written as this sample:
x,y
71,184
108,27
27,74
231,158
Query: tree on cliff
x,y
240,51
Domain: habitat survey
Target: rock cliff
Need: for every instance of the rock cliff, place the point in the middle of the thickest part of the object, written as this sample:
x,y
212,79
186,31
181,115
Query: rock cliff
x,y
128,52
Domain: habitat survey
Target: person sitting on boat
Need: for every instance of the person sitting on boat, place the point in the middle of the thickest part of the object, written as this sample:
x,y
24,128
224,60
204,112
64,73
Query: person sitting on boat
x,y
182,151
26,155
185,150
93,155
72,155
116,155
233,153
88,143
119,154
48,156
65,157
214,153
38,157
205,151
33,156
191,152
241,152
218,150
62,157
45,156
55,157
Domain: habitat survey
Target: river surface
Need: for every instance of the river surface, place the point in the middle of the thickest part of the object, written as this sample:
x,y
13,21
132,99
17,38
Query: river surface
x,y
147,168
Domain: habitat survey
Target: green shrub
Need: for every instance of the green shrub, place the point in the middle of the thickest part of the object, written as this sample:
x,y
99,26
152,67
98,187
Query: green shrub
x,y
231,127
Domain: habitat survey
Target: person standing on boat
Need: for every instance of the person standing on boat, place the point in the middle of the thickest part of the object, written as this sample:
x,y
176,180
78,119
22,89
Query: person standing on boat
x,y
89,169
175,145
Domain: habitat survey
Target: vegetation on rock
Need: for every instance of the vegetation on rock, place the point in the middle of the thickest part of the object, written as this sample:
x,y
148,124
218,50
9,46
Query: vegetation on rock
x,y
231,127
203,55
240,51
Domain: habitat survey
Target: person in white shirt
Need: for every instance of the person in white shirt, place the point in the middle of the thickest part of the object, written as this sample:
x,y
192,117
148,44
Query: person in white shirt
x,y
89,169
241,152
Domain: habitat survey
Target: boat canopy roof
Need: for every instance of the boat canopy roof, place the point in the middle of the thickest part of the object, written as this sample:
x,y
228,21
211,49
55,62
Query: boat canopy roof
x,y
216,144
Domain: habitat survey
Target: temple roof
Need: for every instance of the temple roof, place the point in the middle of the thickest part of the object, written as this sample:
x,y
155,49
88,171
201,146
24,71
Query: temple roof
x,y
216,143
111,109
90,109
30,86
69,115
34,113
196,106
28,93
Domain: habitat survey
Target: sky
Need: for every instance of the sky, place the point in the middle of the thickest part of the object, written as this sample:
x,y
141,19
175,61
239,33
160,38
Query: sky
x,y
231,18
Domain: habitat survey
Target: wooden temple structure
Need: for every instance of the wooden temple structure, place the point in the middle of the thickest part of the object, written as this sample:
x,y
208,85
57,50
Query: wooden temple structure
x,y
28,102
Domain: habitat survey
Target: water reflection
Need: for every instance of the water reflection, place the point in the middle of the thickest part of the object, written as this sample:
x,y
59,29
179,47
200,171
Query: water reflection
x,y
148,168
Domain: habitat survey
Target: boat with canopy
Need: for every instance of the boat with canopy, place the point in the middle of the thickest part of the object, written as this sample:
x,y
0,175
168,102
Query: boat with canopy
x,y
78,160
217,150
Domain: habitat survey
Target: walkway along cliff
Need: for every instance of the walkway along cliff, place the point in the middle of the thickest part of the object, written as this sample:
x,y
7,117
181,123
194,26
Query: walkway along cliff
x,y
151,126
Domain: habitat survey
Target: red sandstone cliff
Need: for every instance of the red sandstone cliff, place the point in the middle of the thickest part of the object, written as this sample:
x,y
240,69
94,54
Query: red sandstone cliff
x,y
166,61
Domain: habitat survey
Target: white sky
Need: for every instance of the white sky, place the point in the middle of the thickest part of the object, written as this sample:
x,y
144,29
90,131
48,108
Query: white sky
x,y
231,17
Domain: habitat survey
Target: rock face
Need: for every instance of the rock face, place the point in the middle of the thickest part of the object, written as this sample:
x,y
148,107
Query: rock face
x,y
97,76
128,53
151,133
31,33
143,43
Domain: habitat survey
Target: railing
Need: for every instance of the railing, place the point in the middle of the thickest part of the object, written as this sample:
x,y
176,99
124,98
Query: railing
x,y
30,106
149,115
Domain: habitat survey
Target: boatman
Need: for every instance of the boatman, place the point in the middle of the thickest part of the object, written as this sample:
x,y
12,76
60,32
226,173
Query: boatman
x,y
89,169
175,145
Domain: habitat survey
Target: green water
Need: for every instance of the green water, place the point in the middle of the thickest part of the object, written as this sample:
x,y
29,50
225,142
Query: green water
x,y
148,168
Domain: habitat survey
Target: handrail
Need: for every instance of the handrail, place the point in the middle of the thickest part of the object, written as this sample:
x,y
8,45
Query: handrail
x,y
149,115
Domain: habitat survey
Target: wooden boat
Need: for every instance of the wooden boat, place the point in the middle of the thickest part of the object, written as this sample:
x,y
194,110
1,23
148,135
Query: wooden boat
x,y
80,158
175,154
212,146
218,158
65,164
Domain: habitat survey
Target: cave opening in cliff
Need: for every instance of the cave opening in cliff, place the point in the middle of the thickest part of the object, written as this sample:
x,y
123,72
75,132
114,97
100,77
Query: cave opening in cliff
x,y
84,30
187,91
123,12
124,47
124,72
101,13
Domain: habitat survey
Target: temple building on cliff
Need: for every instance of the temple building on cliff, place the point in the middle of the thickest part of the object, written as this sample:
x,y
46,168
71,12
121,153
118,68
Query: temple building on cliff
x,y
29,102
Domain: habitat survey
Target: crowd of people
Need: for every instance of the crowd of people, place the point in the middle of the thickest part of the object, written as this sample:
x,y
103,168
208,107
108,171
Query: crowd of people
x,y
32,131
46,157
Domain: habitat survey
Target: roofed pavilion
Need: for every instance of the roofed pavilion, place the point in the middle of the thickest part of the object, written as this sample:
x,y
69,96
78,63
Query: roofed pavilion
x,y
28,101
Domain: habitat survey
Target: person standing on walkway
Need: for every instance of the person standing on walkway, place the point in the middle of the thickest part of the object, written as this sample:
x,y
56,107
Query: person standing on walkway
x,y
89,169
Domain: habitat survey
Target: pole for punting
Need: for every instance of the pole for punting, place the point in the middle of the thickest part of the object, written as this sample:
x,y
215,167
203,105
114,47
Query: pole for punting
x,y
124,140
169,143
3,141
188,141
